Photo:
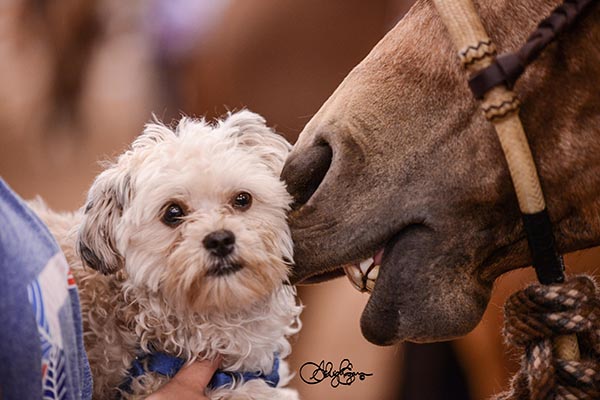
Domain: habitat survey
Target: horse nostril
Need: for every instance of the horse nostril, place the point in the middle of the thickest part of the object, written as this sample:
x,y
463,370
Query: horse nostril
x,y
219,243
303,172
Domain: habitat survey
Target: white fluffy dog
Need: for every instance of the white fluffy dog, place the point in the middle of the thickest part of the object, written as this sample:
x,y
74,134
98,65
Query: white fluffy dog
x,y
190,249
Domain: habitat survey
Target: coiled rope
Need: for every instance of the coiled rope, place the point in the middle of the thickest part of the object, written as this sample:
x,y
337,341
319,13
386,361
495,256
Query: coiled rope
x,y
535,317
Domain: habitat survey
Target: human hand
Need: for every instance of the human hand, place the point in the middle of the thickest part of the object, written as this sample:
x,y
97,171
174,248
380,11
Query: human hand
x,y
189,383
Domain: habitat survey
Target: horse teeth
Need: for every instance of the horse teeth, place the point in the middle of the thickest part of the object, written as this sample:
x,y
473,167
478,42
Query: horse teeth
x,y
370,285
362,276
373,273
364,265
355,277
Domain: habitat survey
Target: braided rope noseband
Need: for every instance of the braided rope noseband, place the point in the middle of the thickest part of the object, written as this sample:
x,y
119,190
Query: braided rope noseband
x,y
548,318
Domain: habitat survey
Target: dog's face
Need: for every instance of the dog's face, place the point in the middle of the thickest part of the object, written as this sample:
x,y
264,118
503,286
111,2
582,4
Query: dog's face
x,y
196,216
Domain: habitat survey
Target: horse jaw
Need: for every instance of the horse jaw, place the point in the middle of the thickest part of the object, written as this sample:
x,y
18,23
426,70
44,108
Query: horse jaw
x,y
404,160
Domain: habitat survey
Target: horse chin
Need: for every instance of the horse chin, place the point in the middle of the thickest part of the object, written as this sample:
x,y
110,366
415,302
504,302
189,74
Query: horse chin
x,y
421,298
426,290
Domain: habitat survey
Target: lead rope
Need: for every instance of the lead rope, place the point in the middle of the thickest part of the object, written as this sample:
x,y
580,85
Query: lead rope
x,y
543,318
534,317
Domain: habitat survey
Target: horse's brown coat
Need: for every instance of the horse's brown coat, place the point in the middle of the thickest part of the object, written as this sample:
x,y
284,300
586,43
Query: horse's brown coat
x,y
415,167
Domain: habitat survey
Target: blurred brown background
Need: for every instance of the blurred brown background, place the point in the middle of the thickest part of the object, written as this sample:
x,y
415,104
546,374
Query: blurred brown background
x,y
78,79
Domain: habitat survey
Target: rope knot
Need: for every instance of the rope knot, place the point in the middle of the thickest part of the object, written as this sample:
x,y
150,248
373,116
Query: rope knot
x,y
545,311
535,319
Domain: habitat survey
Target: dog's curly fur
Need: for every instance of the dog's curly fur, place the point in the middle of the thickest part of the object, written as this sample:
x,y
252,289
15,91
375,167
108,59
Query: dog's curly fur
x,y
150,286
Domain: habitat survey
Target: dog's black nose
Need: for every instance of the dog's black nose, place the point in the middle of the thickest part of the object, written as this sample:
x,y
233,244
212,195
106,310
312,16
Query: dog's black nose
x,y
219,243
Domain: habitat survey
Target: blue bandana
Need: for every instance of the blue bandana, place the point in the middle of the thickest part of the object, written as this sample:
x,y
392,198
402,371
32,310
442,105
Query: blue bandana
x,y
165,364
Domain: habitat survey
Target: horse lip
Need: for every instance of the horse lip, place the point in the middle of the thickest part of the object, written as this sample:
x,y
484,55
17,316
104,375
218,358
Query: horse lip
x,y
318,277
329,273
420,296
385,333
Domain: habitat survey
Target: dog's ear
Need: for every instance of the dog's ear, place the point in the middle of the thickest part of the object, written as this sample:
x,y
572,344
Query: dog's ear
x,y
250,130
108,196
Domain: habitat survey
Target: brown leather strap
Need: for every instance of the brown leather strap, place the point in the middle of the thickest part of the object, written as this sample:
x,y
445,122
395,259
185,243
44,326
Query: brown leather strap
x,y
508,67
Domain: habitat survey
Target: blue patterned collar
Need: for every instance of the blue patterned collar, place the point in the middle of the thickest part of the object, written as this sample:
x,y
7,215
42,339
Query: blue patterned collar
x,y
167,365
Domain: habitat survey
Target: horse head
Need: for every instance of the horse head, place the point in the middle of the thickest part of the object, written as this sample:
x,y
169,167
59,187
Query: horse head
x,y
400,158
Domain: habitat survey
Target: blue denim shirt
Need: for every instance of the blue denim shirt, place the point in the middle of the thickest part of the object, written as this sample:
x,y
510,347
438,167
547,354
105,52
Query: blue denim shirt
x,y
41,346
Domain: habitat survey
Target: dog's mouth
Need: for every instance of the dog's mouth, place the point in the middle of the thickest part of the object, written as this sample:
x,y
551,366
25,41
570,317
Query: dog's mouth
x,y
223,268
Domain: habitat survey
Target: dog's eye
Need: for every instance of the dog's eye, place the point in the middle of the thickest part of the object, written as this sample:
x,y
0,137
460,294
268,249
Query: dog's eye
x,y
242,201
173,214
